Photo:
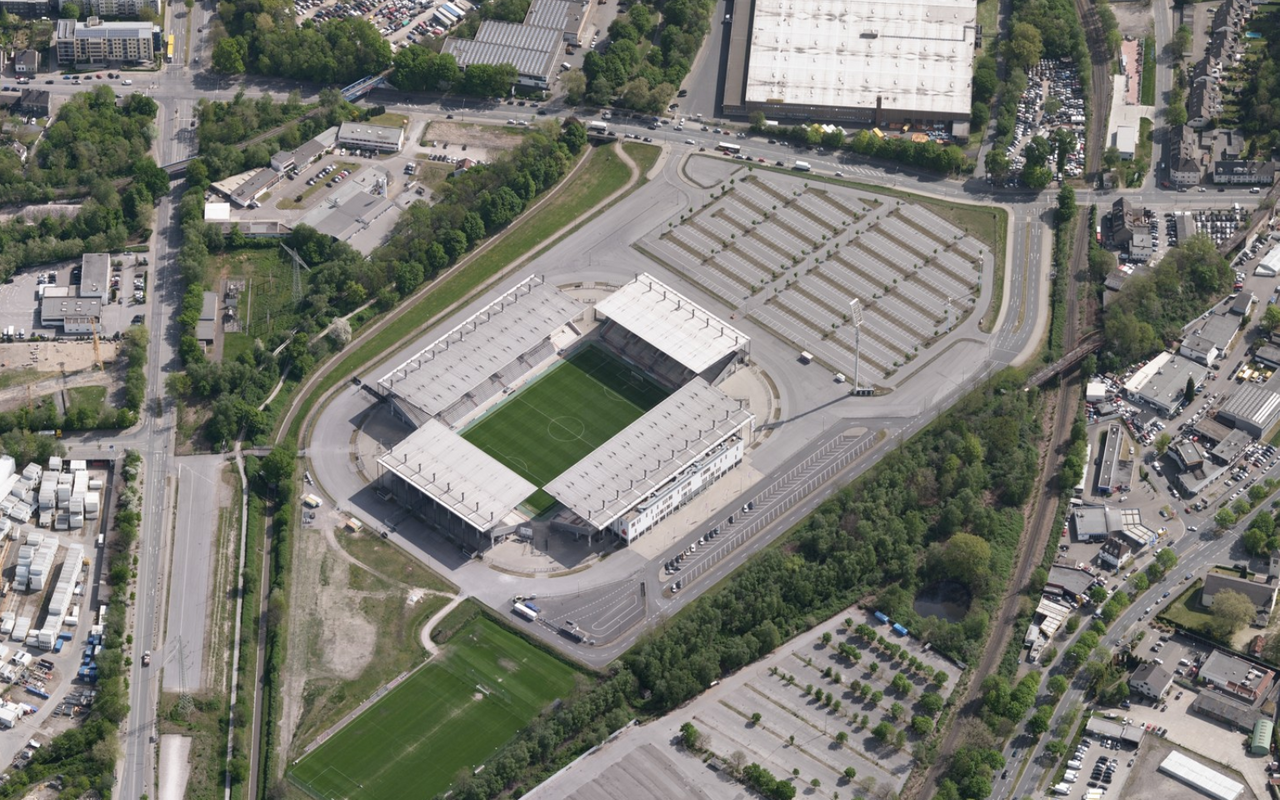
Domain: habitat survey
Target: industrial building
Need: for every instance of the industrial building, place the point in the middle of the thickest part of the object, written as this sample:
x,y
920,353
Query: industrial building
x,y
1199,777
1236,676
363,136
1116,467
881,62
628,484
76,316
534,47
1224,709
244,189
1251,408
98,43
1095,523
1162,383
95,275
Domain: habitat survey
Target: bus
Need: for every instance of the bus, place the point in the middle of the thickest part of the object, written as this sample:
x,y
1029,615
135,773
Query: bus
x,y
169,54
730,148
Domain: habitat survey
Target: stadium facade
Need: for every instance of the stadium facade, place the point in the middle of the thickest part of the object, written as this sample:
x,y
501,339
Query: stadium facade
x,y
628,484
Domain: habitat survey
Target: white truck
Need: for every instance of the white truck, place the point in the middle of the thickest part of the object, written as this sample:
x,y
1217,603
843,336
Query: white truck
x,y
802,166
596,126
1063,789
523,610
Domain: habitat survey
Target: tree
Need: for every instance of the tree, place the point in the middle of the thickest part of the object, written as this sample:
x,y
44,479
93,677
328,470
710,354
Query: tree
x,y
277,466
850,773
1098,594
1039,722
931,703
755,718
1057,686
1111,157
1066,203
1140,582
841,738
901,685
1231,611
1024,48
340,332
997,164
1270,319
1224,518
1189,393
1036,177
575,86
69,11
690,736
883,732
1162,442
897,711
229,55
1181,42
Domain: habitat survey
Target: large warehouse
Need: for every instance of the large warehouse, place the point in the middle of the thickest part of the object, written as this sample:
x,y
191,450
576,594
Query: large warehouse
x,y
881,62
505,426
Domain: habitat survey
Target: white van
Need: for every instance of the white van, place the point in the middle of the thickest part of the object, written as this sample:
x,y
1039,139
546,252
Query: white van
x,y
126,82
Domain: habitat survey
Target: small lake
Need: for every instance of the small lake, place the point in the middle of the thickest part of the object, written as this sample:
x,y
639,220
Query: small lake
x,y
948,600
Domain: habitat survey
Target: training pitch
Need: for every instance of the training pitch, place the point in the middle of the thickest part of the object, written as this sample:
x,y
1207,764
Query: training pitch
x,y
554,422
451,715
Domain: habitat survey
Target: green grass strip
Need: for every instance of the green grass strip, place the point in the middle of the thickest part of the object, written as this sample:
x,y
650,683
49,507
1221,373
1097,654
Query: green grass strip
x,y
1148,92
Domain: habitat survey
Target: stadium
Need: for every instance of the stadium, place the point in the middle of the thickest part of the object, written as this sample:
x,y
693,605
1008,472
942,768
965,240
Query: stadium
x,y
602,417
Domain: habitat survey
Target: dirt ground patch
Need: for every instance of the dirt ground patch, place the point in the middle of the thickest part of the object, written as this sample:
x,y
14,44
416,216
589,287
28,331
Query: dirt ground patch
x,y
57,357
353,628
1134,19
482,142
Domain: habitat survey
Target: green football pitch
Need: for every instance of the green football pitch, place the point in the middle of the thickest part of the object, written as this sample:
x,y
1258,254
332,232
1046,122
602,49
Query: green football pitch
x,y
551,424
451,715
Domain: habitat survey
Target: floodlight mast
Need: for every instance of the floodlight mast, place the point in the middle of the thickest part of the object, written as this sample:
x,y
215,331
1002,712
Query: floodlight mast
x,y
855,317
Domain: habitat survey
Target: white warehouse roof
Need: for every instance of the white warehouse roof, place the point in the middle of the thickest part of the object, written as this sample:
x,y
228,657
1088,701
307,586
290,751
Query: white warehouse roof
x,y
912,55
671,322
648,452
457,362
1198,776
458,475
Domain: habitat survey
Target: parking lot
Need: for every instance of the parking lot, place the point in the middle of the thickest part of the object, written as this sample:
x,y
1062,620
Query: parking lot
x,y
400,22
1053,99
809,252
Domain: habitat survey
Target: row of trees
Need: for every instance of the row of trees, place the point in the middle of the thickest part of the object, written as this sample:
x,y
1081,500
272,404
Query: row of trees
x,y
420,69
264,39
930,155
651,48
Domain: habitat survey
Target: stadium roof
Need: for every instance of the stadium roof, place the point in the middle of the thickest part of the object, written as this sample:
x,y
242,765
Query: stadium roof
x,y
436,376
458,475
647,453
909,55
671,322
1198,776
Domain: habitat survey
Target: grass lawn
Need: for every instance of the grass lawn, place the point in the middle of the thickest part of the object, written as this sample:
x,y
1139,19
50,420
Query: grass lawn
x,y
21,376
550,425
988,18
233,344
645,155
1185,610
603,176
267,306
389,119
450,715
387,559
1148,91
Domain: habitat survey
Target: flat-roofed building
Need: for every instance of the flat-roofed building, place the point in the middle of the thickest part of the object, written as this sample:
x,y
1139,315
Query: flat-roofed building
x,y
882,62
1125,141
95,275
1068,582
1236,676
1164,388
95,42
382,138
1200,777
1224,709
1115,469
73,315
533,51
117,8
1095,523
244,189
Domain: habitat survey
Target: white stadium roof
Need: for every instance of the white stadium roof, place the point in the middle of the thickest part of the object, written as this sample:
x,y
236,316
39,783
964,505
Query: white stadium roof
x,y
436,376
1198,776
911,55
458,475
671,322
648,452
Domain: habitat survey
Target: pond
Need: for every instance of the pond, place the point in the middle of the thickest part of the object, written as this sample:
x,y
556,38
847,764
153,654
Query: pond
x,y
947,600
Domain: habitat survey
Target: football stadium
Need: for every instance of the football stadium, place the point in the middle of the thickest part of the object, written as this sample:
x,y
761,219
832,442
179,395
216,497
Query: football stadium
x,y
602,417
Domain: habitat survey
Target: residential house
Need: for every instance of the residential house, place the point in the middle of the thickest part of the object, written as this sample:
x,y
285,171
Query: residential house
x,y
1204,104
1183,156
1151,680
26,62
